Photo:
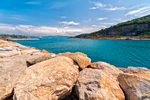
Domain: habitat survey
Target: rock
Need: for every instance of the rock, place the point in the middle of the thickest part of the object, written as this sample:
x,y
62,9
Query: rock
x,y
4,54
72,95
79,53
71,55
52,79
30,51
138,70
123,69
8,44
135,86
11,48
96,84
10,70
83,62
106,67
53,55
44,51
34,48
36,58
80,58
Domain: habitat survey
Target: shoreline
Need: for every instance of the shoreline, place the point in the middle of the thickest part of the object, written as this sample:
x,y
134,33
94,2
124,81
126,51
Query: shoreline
x,y
18,39
115,38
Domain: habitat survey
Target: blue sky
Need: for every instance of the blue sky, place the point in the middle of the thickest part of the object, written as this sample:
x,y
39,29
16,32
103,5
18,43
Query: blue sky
x,y
66,17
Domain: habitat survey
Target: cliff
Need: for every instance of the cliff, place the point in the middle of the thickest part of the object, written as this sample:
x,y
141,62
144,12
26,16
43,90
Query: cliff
x,y
136,28
31,74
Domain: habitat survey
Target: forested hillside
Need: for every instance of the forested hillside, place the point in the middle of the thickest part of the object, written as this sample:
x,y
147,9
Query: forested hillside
x,y
136,27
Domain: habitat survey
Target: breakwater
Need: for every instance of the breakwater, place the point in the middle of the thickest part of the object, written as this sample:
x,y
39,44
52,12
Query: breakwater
x,y
33,74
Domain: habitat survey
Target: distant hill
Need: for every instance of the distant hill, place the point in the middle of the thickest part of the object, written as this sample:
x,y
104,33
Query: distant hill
x,y
49,37
12,36
137,27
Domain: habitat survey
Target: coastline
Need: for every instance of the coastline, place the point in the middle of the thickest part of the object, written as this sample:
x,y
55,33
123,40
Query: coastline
x,y
19,39
122,38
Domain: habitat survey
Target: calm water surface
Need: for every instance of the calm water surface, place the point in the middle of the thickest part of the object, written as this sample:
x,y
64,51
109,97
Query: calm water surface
x,y
121,53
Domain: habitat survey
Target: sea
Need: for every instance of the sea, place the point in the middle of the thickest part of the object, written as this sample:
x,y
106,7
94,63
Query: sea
x,y
120,53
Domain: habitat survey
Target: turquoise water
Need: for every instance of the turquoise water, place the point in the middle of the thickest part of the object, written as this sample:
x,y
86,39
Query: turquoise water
x,y
121,53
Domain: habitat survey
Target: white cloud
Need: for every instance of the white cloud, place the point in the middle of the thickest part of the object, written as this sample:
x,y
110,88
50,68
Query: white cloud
x,y
108,23
99,26
33,3
63,17
106,7
115,8
93,8
140,10
69,23
121,20
101,18
43,30
98,5
94,25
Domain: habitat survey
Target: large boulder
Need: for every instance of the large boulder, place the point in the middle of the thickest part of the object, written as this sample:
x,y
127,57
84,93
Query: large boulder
x,y
106,67
83,62
71,55
44,51
10,70
4,54
123,69
138,70
11,48
96,84
38,57
80,58
8,44
30,51
135,86
52,79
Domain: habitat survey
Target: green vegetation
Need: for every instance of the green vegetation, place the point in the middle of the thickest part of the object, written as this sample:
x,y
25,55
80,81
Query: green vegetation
x,y
137,27
12,36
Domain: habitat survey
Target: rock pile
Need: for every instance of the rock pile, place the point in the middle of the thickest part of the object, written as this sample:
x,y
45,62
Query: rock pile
x,y
31,74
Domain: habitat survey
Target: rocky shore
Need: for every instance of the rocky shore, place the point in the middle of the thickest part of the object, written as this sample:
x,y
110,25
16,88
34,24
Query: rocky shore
x,y
27,73
16,39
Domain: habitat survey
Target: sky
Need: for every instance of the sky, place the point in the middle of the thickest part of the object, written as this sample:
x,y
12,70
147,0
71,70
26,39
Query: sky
x,y
66,17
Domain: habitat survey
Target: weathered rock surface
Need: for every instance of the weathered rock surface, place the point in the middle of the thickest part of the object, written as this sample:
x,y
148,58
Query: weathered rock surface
x,y
72,55
123,69
11,48
72,95
8,44
96,84
30,51
44,51
135,86
106,67
80,58
38,57
48,80
82,61
138,70
4,54
10,70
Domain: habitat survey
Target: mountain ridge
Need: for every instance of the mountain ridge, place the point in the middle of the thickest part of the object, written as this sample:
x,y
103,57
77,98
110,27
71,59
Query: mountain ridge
x,y
139,27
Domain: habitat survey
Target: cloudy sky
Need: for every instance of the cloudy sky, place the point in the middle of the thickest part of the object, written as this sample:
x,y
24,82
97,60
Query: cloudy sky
x,y
66,17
